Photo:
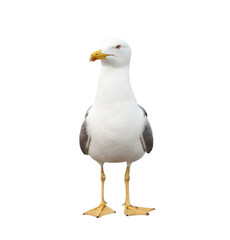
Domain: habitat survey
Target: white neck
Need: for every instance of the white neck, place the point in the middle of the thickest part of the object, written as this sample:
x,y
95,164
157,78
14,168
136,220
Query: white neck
x,y
114,86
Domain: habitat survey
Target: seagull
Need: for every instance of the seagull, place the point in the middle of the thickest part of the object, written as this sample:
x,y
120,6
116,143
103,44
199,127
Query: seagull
x,y
115,129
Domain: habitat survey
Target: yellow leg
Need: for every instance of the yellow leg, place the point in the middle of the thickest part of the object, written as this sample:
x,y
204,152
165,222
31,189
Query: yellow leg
x,y
102,209
129,209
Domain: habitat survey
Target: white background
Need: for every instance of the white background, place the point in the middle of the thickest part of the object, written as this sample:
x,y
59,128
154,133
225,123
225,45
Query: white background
x,y
179,73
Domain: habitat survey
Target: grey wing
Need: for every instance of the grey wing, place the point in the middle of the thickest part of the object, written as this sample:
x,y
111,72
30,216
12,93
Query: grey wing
x,y
84,138
147,135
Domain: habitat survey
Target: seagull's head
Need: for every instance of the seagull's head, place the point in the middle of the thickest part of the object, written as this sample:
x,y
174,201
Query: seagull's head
x,y
114,52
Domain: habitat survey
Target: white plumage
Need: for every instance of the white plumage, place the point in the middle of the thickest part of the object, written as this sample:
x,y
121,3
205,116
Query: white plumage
x,y
115,122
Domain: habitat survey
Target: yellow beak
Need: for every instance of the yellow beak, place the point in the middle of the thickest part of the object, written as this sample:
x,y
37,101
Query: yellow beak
x,y
98,55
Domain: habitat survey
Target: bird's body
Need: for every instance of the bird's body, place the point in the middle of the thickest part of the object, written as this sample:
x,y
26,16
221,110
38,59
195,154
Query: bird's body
x,y
115,122
116,128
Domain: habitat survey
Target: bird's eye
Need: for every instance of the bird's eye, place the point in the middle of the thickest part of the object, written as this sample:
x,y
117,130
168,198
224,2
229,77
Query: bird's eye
x,y
118,46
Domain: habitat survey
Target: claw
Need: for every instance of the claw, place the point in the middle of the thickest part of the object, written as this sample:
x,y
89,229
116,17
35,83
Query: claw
x,y
132,210
99,211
